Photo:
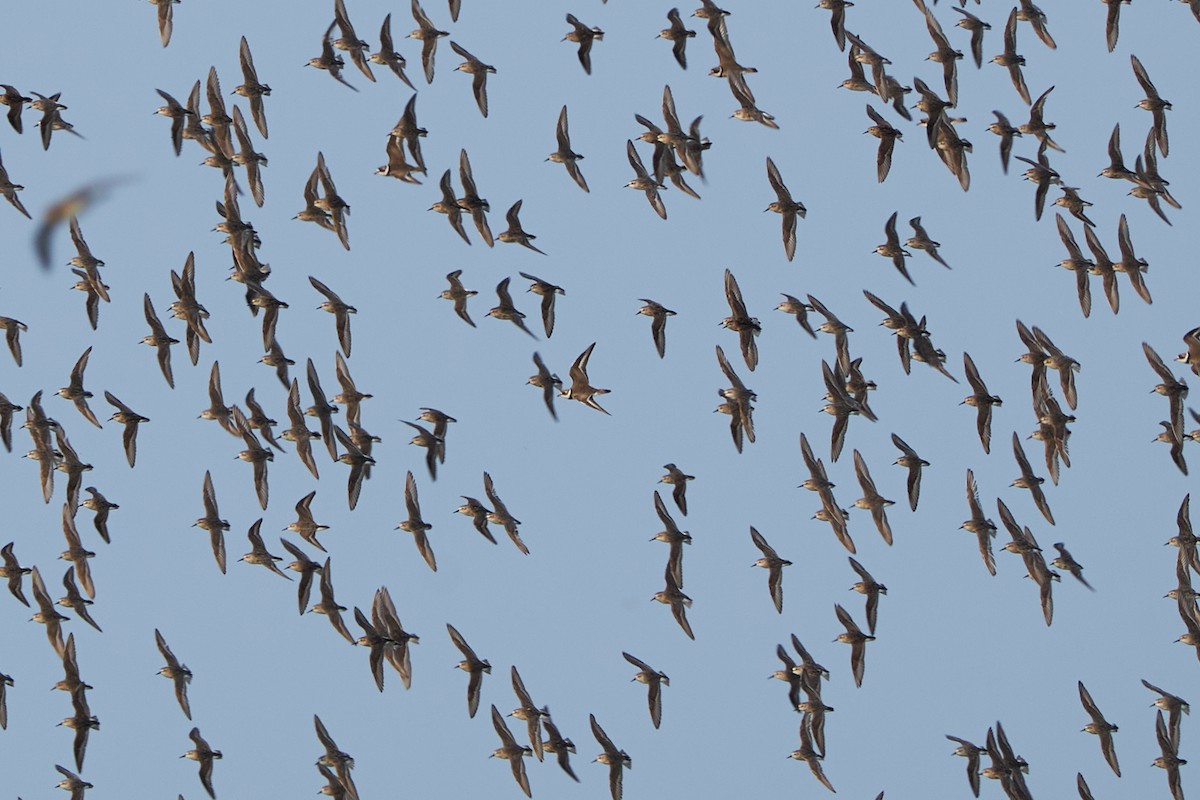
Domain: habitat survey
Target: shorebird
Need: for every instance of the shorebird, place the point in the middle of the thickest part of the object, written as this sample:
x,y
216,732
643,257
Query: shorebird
x,y
672,536
500,514
654,681
555,743
892,249
913,463
678,481
204,754
1101,727
72,783
983,528
642,181
159,340
547,382
1169,760
338,760
1174,705
428,34
971,752
1028,12
583,36
458,295
212,522
528,712
887,135
306,567
548,292
13,572
387,55
256,455
795,678
871,588
251,88
76,601
178,673
616,760
258,551
415,524
678,35
478,72
1066,562
807,754
515,233
857,641
329,60
471,202
1027,480
788,208
564,154
505,309
581,388
46,613
511,751
738,403
10,189
658,314
740,321
328,605
15,102
677,600
473,665
837,20
774,565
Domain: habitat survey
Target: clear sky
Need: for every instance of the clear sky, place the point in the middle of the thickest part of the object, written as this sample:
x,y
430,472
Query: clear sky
x,y
956,649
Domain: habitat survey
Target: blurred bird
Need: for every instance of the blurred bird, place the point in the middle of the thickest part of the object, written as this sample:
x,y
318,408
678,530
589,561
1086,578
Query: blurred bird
x,y
66,209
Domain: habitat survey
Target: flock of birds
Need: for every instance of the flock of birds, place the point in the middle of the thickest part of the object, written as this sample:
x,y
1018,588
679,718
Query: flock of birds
x,y
220,130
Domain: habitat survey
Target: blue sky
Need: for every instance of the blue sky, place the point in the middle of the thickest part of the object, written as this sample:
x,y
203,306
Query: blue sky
x,y
956,648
